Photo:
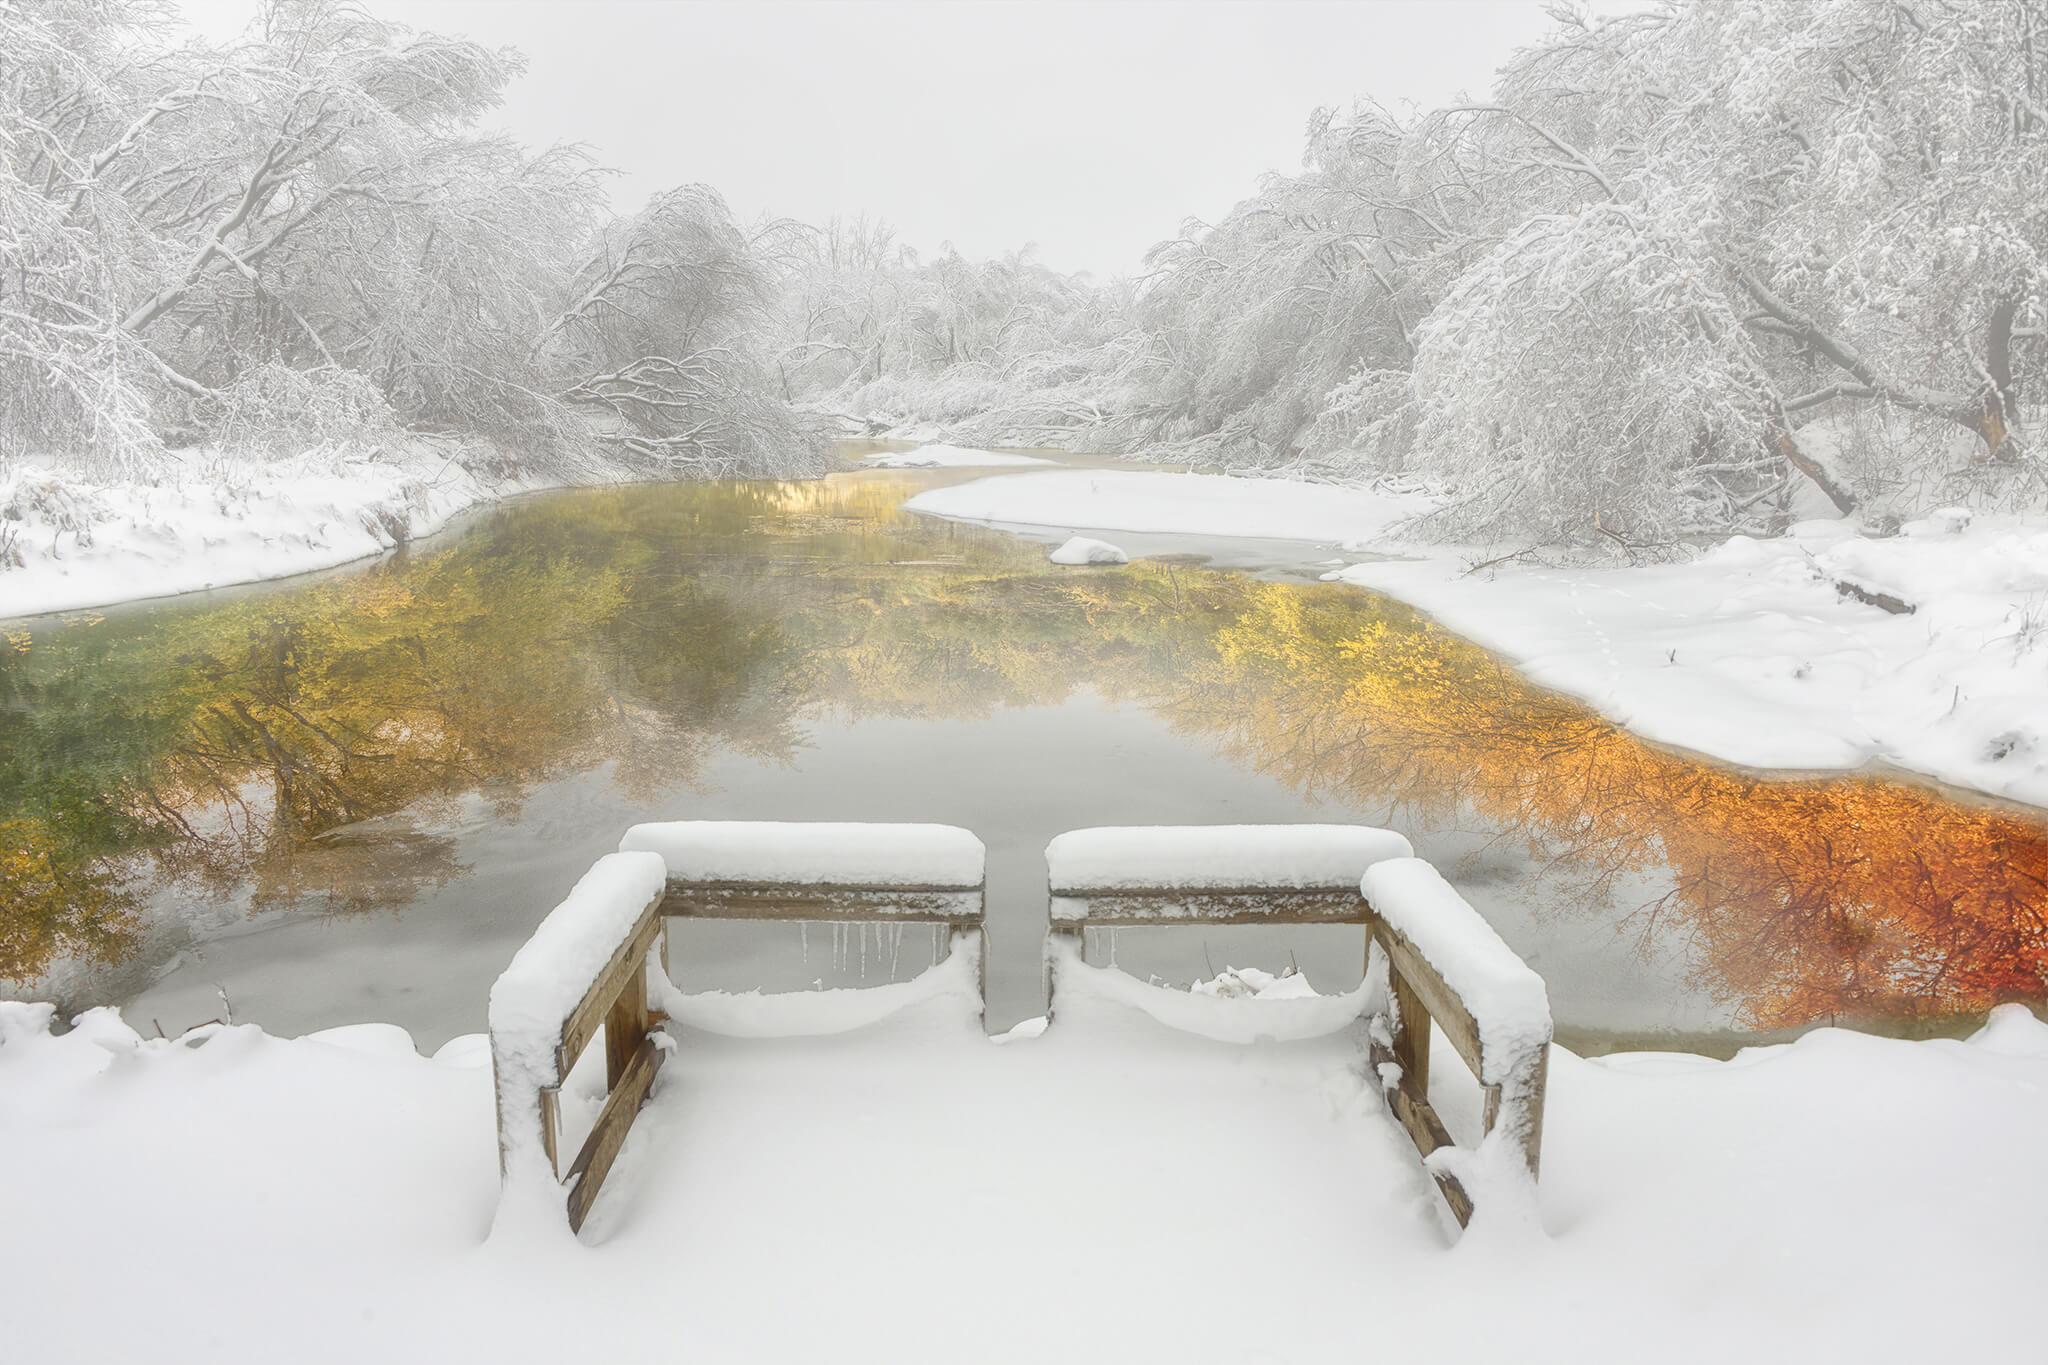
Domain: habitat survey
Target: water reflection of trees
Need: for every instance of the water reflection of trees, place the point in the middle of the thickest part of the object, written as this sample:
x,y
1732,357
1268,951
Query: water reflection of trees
x,y
305,746
1804,900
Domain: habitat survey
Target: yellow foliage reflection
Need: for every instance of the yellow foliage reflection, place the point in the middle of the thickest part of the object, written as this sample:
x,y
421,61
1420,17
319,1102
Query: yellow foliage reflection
x,y
304,745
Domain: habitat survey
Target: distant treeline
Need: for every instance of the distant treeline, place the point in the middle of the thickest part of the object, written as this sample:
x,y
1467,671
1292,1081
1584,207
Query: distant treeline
x,y
1679,273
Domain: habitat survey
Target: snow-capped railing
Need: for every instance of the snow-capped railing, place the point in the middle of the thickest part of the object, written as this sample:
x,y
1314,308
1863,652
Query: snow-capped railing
x,y
1124,875
1446,963
842,873
585,967
1442,960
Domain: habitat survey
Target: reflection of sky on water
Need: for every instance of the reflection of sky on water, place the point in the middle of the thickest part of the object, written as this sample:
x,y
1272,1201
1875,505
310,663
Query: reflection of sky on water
x,y
1079,762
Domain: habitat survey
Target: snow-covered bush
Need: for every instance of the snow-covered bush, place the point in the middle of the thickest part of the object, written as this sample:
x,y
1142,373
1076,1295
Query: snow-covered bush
x,y
273,409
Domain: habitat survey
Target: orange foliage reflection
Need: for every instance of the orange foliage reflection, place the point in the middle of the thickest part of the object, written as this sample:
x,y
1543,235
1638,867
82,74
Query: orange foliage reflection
x,y
1853,897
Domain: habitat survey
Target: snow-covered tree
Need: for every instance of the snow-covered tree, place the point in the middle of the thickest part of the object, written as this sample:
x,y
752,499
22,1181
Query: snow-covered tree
x,y
662,334
302,237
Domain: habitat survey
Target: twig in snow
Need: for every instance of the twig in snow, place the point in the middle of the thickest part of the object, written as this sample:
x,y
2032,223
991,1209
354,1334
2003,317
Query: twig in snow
x,y
1497,559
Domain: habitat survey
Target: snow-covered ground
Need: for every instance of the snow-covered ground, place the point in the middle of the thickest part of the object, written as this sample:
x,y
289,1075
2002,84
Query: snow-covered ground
x,y
1749,652
1752,654
1113,1190
65,543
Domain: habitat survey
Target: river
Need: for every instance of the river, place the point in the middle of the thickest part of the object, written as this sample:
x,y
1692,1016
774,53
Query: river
x,y
350,797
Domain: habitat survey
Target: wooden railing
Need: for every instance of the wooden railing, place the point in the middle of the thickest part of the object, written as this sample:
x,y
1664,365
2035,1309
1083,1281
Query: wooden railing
x,y
1512,1079
613,927
952,909
1417,994
615,923
864,874
531,1067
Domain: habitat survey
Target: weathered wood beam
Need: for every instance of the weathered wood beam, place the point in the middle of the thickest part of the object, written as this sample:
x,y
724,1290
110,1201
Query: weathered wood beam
x,y
628,962
608,1134
1426,1128
1438,1000
1138,907
956,905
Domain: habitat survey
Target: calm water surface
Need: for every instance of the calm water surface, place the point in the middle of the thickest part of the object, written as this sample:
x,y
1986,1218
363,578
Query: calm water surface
x,y
352,797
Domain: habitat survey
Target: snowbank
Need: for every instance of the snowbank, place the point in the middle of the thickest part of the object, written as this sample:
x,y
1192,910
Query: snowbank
x,y
1262,1014
1124,857
1238,983
823,852
73,545
1504,997
938,456
1081,550
1196,504
1843,1198
791,1014
1752,654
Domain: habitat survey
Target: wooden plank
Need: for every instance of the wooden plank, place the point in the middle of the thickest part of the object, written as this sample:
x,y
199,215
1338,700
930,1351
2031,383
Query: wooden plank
x,y
1411,1032
1520,1099
1426,1129
608,1134
629,962
1138,907
1441,1002
550,1128
1347,891
1532,1136
625,1024
911,904
826,889
981,965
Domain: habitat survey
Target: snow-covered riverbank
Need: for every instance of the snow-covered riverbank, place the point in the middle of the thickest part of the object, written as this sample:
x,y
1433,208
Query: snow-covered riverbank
x,y
1113,1190
1791,653
67,544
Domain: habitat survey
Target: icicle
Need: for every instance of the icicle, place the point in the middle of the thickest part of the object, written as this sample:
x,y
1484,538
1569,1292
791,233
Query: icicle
x,y
1112,945
863,928
803,936
895,948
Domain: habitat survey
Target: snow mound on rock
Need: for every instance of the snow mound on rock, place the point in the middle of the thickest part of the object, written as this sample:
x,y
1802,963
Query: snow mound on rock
x,y
1082,550
1240,983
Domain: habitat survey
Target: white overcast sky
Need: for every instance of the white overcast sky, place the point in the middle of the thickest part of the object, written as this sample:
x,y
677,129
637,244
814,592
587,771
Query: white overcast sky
x,y
1090,129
